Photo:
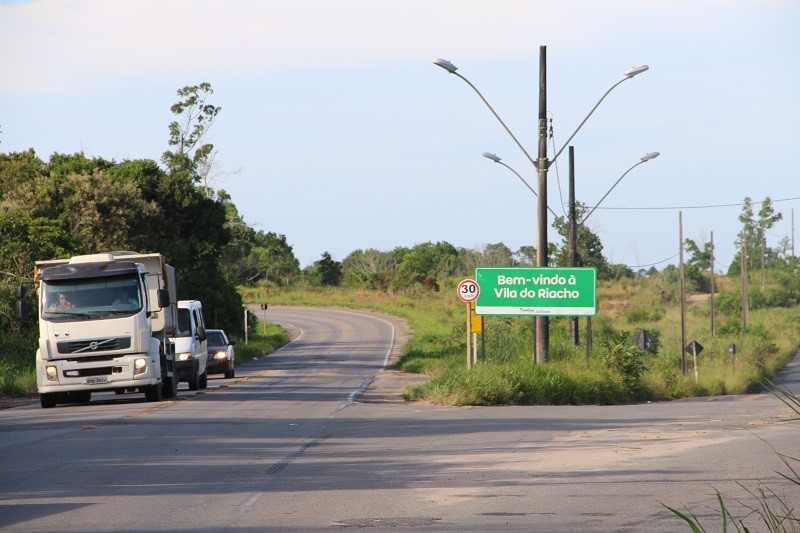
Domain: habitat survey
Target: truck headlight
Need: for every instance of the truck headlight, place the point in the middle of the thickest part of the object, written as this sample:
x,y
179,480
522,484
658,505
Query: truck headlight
x,y
52,373
184,356
139,366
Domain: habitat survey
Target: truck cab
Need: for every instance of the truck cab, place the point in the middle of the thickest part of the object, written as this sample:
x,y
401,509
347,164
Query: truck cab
x,y
191,345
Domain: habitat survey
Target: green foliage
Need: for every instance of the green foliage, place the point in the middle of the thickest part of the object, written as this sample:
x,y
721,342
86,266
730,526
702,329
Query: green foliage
x,y
192,158
589,249
636,315
262,339
426,261
17,361
625,359
326,272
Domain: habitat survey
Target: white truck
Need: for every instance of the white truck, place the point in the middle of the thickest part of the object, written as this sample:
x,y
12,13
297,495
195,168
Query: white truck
x,y
104,325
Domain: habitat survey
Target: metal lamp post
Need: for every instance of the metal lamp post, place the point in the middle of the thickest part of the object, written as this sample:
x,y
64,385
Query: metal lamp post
x,y
541,164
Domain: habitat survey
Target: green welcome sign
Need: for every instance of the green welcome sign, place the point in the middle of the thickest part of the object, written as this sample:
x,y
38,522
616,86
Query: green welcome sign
x,y
551,291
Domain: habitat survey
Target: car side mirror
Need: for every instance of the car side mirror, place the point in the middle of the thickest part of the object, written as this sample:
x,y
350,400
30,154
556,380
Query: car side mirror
x,y
231,342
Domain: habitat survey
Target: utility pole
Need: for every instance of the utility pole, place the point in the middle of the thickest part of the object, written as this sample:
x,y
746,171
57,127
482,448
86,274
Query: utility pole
x,y
745,289
542,322
572,237
711,272
683,296
762,242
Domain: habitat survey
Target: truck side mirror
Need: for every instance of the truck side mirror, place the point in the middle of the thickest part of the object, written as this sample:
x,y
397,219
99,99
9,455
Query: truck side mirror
x,y
163,298
201,334
20,302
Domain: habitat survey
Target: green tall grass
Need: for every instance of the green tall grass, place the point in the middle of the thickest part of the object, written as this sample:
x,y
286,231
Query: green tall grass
x,y
18,364
616,371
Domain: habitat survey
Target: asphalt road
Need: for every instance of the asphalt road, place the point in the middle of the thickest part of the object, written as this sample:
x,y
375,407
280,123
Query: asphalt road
x,y
315,437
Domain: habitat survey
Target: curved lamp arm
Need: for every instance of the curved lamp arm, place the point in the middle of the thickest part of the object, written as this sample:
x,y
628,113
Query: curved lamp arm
x,y
449,67
496,159
644,159
630,73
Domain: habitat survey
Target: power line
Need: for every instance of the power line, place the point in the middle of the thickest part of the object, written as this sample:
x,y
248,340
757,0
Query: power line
x,y
689,206
653,264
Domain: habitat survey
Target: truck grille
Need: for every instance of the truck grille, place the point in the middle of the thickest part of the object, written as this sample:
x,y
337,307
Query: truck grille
x,y
90,346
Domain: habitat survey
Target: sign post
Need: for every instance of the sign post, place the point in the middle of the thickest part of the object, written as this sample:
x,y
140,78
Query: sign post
x,y
695,348
468,291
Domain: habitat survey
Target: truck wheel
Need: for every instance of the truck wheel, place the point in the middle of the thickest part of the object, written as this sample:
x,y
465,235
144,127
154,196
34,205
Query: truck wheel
x,y
153,393
169,387
204,380
194,380
48,400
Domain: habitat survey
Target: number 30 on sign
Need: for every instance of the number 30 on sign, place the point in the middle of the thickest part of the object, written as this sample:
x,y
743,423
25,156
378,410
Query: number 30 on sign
x,y
468,290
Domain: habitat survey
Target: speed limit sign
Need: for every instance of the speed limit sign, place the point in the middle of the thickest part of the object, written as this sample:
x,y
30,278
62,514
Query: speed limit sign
x,y
468,290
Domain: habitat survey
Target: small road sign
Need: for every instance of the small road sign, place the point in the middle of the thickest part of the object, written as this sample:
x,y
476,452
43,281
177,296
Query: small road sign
x,y
694,348
468,290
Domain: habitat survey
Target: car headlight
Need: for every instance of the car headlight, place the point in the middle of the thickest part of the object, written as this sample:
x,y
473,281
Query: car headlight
x,y
139,366
184,356
221,355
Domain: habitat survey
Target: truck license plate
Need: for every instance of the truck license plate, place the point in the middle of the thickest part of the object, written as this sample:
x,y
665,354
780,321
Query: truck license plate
x,y
97,379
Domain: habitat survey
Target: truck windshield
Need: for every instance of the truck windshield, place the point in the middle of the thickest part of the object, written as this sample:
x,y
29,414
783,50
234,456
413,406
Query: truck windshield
x,y
90,298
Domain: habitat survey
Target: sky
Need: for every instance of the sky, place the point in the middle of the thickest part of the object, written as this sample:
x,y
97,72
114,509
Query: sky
x,y
339,132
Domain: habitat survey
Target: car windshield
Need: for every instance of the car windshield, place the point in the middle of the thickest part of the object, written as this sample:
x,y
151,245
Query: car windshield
x,y
184,323
216,338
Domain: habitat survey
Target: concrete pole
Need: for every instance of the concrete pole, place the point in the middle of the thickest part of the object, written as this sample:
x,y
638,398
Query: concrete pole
x,y
542,322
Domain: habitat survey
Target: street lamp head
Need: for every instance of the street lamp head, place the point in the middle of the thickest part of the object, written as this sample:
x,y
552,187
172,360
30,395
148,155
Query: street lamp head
x,y
648,157
448,66
633,71
489,155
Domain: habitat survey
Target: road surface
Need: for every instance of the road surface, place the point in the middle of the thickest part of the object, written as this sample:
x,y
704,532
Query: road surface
x,y
309,439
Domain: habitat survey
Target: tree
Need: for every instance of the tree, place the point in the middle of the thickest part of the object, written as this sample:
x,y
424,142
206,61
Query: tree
x,y
329,271
426,262
588,246
526,255
753,233
270,258
187,132
497,255
369,268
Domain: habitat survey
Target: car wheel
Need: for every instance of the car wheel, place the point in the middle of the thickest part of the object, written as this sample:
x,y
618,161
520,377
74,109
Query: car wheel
x,y
230,374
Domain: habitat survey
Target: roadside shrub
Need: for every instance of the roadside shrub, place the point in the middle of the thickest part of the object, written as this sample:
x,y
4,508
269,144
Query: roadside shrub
x,y
627,360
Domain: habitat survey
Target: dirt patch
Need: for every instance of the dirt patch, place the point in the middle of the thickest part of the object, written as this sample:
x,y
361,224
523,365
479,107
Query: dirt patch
x,y
7,402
